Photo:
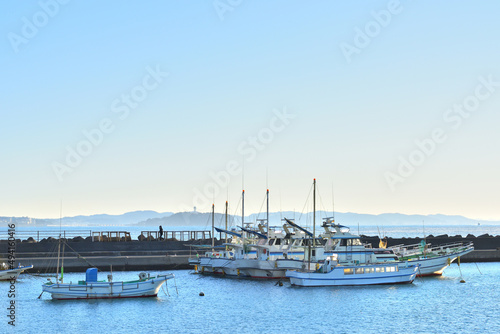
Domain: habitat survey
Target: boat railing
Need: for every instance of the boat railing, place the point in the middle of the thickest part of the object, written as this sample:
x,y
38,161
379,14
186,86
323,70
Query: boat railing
x,y
452,246
414,249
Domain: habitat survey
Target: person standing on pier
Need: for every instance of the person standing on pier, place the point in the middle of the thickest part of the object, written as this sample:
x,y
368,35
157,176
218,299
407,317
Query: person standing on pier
x,y
161,233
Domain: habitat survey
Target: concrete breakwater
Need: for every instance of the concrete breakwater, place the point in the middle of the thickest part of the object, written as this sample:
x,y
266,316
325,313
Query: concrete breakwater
x,y
169,254
80,254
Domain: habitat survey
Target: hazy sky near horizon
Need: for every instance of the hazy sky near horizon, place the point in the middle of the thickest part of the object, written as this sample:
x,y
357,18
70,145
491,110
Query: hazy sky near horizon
x,y
163,105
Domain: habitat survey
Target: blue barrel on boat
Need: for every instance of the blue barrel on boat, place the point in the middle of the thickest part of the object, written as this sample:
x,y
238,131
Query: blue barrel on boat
x,y
91,275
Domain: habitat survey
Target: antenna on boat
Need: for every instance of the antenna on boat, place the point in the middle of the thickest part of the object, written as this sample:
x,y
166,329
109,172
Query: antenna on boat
x,y
59,244
281,209
333,205
226,223
213,214
243,218
314,213
423,229
267,219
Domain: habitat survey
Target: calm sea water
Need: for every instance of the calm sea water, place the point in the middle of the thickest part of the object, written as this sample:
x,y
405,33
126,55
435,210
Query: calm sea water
x,y
429,305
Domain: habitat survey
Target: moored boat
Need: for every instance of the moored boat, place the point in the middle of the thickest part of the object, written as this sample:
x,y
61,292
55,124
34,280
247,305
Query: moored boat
x,y
433,260
91,288
11,274
333,274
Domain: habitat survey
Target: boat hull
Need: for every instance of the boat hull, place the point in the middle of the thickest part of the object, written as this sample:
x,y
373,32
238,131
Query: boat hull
x,y
12,274
107,290
338,277
434,266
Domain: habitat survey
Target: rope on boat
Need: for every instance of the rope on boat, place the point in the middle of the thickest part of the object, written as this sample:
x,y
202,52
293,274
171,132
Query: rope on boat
x,y
81,257
163,288
478,268
175,282
462,278
420,275
166,293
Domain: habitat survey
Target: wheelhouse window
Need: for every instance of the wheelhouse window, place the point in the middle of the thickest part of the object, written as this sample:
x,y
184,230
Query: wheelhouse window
x,y
350,242
348,271
355,242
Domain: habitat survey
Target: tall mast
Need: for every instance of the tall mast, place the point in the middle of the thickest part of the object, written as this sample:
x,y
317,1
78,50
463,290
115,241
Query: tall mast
x,y
213,213
314,212
59,243
58,255
62,263
267,219
243,219
226,225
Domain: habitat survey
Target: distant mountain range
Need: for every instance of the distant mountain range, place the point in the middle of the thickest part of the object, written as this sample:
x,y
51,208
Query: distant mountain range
x,y
128,218
153,218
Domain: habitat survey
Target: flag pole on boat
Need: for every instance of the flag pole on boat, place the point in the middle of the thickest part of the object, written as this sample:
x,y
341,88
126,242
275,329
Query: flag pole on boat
x,y
213,213
59,245
226,226
243,218
314,213
267,218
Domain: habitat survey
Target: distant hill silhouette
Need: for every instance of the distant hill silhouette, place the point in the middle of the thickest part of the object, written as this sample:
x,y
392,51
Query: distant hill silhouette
x,y
92,220
153,218
347,218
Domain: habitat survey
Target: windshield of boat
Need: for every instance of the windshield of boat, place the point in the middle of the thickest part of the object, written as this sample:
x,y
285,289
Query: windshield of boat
x,y
350,242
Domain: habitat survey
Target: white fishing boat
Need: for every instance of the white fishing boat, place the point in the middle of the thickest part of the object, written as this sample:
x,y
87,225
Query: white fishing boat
x,y
7,274
258,252
333,274
225,260
433,260
91,288
349,249
228,260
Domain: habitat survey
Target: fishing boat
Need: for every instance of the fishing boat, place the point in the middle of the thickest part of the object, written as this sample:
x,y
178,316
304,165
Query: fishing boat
x,y
349,249
331,273
7,274
91,288
277,243
253,251
215,258
226,260
433,260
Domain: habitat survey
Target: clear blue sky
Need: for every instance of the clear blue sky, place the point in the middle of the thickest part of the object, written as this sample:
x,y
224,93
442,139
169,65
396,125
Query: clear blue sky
x,y
178,91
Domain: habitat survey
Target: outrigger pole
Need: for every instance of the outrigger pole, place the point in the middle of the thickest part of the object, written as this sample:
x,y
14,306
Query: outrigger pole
x,y
213,213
